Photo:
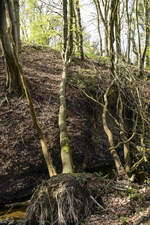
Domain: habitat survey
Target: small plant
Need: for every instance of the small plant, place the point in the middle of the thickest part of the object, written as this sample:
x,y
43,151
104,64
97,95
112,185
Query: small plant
x,y
123,220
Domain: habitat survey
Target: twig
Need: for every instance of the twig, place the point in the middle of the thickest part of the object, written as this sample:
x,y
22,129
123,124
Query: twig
x,y
9,111
94,200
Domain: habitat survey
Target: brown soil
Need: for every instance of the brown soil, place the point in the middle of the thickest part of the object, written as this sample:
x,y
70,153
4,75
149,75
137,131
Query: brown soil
x,y
22,166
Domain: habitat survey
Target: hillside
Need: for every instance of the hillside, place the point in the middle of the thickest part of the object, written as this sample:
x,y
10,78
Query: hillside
x,y
22,166
19,145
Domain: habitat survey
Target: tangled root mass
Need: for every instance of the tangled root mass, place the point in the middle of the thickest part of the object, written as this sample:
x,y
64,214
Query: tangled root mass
x,y
62,200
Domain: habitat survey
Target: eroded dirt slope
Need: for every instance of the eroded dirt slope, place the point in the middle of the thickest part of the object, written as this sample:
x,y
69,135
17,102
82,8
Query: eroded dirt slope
x,y
21,162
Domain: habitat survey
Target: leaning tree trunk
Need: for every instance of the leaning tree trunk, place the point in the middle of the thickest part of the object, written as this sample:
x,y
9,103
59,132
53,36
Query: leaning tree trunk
x,y
13,82
120,169
64,140
14,63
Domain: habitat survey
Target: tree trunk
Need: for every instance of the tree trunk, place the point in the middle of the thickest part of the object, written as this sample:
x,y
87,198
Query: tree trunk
x,y
147,31
10,50
13,82
104,19
120,170
139,40
79,29
114,6
118,33
16,5
98,28
70,30
64,140
65,27
124,138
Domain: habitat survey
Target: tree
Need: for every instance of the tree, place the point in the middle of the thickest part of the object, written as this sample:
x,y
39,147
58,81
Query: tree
x,y
13,63
113,15
118,32
64,140
70,30
8,35
98,27
104,14
142,52
78,29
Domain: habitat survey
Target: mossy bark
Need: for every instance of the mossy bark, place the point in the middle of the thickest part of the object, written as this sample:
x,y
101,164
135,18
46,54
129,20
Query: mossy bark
x,y
67,166
79,27
64,140
13,82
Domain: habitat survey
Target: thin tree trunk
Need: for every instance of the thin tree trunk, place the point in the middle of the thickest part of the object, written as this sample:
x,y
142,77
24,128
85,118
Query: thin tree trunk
x,y
65,27
105,23
79,29
147,32
124,138
118,33
70,30
98,28
17,13
129,32
64,140
120,170
114,5
139,39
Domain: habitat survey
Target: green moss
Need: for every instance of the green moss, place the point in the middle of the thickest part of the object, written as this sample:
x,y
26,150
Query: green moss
x,y
66,148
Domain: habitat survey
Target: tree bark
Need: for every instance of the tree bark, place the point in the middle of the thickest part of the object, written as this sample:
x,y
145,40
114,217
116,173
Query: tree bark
x,y
10,50
114,6
13,82
120,170
104,19
17,13
98,28
64,140
65,27
70,30
79,26
118,33
67,166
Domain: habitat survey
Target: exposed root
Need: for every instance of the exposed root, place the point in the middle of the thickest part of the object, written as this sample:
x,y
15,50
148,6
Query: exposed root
x,y
62,200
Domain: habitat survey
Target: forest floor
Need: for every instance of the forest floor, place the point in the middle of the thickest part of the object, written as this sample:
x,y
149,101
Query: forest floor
x,y
22,166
